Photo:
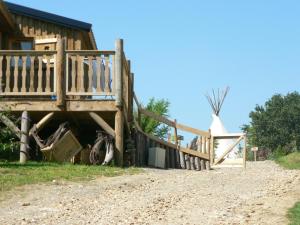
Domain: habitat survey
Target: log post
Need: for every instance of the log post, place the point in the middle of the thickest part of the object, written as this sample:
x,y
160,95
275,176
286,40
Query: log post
x,y
118,71
24,137
60,68
119,125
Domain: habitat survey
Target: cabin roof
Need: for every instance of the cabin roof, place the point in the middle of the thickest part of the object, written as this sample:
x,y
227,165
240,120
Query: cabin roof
x,y
48,17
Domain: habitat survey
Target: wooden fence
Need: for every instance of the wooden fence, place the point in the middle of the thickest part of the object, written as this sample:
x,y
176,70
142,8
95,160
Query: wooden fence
x,y
176,156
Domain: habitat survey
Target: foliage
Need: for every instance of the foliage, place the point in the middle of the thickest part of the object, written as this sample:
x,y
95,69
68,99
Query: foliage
x,y
9,143
276,125
294,214
151,126
290,161
15,174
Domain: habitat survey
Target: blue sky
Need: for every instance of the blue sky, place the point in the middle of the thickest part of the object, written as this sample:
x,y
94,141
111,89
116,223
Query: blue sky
x,y
182,49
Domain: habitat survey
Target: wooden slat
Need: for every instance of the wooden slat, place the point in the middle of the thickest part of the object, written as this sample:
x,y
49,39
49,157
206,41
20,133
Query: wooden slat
x,y
40,74
48,89
229,150
73,74
8,75
81,73
16,71
24,59
98,66
90,74
107,78
113,74
31,83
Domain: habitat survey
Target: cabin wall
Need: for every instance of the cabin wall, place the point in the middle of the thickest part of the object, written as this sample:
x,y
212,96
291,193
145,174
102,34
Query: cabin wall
x,y
37,29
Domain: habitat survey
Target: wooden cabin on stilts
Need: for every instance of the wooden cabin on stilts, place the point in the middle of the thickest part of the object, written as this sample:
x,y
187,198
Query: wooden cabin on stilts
x,y
64,89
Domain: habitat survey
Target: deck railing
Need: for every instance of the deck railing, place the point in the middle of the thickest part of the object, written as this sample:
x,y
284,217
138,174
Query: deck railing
x,y
90,73
27,73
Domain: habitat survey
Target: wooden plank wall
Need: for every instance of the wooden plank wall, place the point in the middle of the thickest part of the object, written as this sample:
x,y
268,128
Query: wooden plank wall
x,y
39,29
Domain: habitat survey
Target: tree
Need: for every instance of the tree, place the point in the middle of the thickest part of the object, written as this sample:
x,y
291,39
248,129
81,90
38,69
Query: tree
x,y
151,126
276,125
9,144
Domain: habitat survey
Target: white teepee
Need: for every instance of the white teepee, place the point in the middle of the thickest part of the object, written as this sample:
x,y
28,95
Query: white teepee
x,y
216,100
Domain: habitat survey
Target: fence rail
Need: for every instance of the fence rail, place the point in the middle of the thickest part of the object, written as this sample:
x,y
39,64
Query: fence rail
x,y
26,73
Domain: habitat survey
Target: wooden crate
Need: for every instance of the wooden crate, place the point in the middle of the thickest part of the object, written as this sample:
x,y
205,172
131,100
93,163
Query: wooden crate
x,y
63,150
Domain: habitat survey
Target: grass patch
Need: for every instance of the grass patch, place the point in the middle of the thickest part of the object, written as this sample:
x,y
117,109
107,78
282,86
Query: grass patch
x,y
291,161
294,214
14,174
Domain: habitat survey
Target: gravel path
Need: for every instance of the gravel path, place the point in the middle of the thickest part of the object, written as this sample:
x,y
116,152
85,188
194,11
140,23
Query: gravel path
x,y
260,195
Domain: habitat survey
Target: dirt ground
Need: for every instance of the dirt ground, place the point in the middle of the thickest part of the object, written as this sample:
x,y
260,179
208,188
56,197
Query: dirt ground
x,y
259,195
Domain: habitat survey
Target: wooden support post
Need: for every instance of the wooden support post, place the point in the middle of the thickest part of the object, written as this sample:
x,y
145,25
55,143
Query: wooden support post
x,y
10,125
197,163
119,124
24,137
119,71
102,124
245,151
60,68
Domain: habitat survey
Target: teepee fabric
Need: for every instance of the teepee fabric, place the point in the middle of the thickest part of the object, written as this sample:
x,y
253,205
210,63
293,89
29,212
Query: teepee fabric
x,y
217,128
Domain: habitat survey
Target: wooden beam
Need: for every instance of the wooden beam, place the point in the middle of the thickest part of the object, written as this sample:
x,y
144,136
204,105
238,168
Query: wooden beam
x,y
101,122
50,106
10,125
228,150
194,153
42,122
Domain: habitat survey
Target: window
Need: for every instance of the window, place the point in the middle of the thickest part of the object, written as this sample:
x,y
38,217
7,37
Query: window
x,y
22,45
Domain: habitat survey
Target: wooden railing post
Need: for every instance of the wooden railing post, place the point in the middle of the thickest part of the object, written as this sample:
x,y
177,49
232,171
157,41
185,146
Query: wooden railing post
x,y
119,118
60,62
119,71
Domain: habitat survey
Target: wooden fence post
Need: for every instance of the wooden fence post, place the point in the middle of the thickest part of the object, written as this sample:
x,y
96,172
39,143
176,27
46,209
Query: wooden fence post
x,y
60,75
24,137
245,151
